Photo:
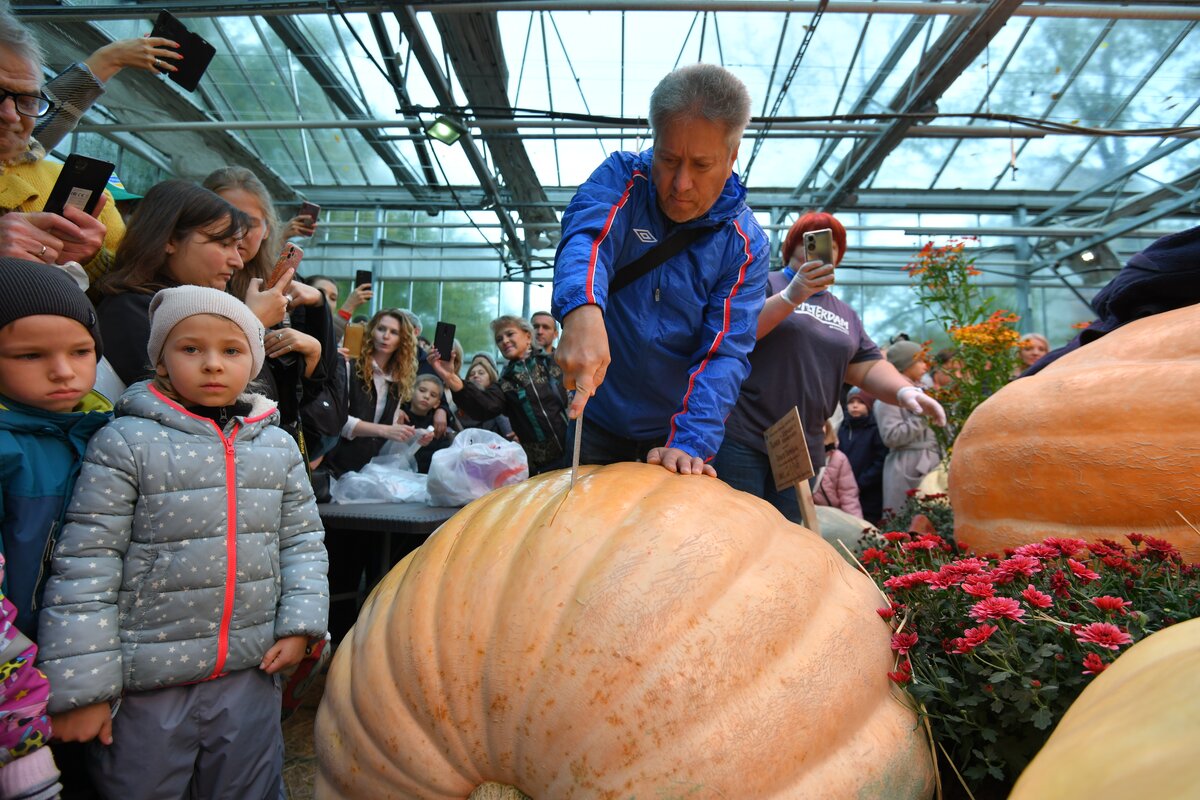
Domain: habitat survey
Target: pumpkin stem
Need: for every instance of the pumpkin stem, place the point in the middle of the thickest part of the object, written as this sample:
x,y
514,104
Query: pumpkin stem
x,y
497,791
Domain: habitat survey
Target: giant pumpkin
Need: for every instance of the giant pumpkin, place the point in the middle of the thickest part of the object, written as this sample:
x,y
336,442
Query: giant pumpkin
x,y
1132,732
1101,443
642,634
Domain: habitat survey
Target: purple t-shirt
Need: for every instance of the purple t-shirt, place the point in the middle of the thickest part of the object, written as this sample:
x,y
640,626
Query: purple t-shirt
x,y
801,363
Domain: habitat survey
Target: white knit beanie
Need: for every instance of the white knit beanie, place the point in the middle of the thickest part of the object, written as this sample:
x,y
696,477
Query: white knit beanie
x,y
172,306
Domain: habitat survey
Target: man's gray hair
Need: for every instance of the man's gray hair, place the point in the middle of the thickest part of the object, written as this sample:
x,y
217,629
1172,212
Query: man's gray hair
x,y
413,319
702,90
17,38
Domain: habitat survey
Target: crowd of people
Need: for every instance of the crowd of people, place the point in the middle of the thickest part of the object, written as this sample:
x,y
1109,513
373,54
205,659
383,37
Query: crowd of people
x,y
166,562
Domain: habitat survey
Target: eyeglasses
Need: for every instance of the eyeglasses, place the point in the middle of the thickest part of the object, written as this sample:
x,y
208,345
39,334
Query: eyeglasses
x,y
27,105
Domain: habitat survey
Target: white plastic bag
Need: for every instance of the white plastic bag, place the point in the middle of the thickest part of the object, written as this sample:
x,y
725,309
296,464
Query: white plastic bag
x,y
475,463
385,479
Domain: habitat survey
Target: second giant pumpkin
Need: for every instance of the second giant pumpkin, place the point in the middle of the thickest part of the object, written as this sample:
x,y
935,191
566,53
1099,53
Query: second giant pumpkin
x,y
642,634
1103,442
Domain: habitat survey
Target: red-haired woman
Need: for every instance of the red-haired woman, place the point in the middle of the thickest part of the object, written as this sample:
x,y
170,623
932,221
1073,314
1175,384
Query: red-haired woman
x,y
809,344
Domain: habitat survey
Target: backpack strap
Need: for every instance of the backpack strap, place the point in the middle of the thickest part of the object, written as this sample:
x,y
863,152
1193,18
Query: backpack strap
x,y
672,245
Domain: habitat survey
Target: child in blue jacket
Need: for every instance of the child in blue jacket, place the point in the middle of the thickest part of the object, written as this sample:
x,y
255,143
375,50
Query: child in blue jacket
x,y
49,346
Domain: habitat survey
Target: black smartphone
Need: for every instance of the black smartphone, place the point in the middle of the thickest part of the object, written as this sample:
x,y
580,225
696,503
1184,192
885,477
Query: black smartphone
x,y
310,210
361,276
197,53
818,246
80,184
443,340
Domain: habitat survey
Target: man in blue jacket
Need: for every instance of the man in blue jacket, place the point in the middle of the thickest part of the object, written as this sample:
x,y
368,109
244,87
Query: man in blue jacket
x,y
670,348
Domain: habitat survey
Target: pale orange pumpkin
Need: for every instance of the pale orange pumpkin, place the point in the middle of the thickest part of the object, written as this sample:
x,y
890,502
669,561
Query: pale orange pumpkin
x,y
1101,443
1133,731
642,634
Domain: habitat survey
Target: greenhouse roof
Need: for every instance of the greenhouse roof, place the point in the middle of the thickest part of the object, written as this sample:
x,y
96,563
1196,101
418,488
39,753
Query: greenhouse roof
x,y
1061,134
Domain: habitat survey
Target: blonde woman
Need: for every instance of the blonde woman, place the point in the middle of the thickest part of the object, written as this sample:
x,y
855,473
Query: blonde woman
x,y
380,381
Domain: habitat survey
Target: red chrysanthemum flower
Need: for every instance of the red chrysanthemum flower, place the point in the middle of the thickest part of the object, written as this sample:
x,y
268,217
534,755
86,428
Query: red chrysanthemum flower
x,y
979,589
997,608
1104,634
1018,565
973,637
911,580
1093,664
1111,604
874,554
896,536
903,642
1161,548
1060,584
1037,550
886,613
1135,538
1068,547
920,544
1082,571
904,674
1035,598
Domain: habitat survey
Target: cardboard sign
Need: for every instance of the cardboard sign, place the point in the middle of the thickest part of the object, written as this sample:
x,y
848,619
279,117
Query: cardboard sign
x,y
788,451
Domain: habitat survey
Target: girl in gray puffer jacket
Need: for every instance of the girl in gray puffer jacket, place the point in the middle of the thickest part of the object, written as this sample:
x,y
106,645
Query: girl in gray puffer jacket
x,y
191,570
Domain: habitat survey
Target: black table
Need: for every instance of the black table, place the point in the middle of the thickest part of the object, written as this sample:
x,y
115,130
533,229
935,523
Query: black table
x,y
409,524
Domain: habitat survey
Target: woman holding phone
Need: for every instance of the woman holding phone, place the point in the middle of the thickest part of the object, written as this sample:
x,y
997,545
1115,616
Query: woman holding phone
x,y
301,342
809,344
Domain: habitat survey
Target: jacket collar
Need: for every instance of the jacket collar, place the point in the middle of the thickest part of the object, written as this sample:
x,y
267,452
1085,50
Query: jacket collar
x,y
143,400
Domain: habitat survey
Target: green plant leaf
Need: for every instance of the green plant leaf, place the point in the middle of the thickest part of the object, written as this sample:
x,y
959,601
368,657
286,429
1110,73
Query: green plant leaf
x,y
1042,718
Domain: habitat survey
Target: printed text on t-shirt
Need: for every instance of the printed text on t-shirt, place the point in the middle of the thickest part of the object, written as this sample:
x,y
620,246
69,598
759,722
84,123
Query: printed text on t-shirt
x,y
825,317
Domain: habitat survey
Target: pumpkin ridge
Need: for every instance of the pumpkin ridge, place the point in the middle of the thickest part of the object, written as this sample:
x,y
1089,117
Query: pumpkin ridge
x,y
585,576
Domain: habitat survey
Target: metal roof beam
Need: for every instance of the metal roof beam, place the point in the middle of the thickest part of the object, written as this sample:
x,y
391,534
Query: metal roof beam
x,y
475,48
1071,9
391,63
193,155
424,54
960,43
339,94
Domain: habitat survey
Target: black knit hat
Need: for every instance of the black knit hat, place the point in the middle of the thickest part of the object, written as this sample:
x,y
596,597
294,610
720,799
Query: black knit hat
x,y
28,288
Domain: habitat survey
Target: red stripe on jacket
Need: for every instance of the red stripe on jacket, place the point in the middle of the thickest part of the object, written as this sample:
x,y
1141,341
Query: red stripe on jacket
x,y
720,335
230,524
612,213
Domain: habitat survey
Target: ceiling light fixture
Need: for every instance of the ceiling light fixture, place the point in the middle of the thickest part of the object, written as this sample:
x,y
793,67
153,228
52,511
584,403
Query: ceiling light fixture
x,y
446,130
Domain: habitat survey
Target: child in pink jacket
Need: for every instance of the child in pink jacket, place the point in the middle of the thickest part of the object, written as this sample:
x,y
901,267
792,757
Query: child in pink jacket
x,y
27,768
837,487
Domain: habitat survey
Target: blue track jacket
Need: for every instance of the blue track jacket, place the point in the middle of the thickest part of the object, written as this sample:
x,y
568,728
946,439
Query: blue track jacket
x,y
40,457
679,336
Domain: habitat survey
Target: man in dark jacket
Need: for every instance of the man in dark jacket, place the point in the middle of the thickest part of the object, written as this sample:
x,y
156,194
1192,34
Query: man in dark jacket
x,y
671,348
859,439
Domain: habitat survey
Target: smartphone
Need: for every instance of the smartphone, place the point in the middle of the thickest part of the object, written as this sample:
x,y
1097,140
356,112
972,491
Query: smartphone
x,y
197,53
818,246
361,276
80,184
289,258
354,338
443,340
310,210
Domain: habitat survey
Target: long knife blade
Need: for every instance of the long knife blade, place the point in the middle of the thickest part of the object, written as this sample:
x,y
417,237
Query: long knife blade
x,y
575,450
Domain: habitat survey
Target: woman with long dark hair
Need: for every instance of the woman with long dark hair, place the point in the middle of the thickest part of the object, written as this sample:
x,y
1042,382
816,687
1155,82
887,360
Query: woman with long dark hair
x,y
180,234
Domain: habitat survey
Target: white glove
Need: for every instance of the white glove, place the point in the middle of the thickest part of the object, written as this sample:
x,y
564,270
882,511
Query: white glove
x,y
812,277
915,400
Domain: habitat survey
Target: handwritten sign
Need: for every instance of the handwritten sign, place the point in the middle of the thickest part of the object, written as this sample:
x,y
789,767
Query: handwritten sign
x,y
788,451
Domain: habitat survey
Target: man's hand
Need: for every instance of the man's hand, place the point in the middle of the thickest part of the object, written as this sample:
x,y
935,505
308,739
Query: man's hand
x,y
810,278
440,420
82,245
672,459
582,353
151,53
84,724
287,652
